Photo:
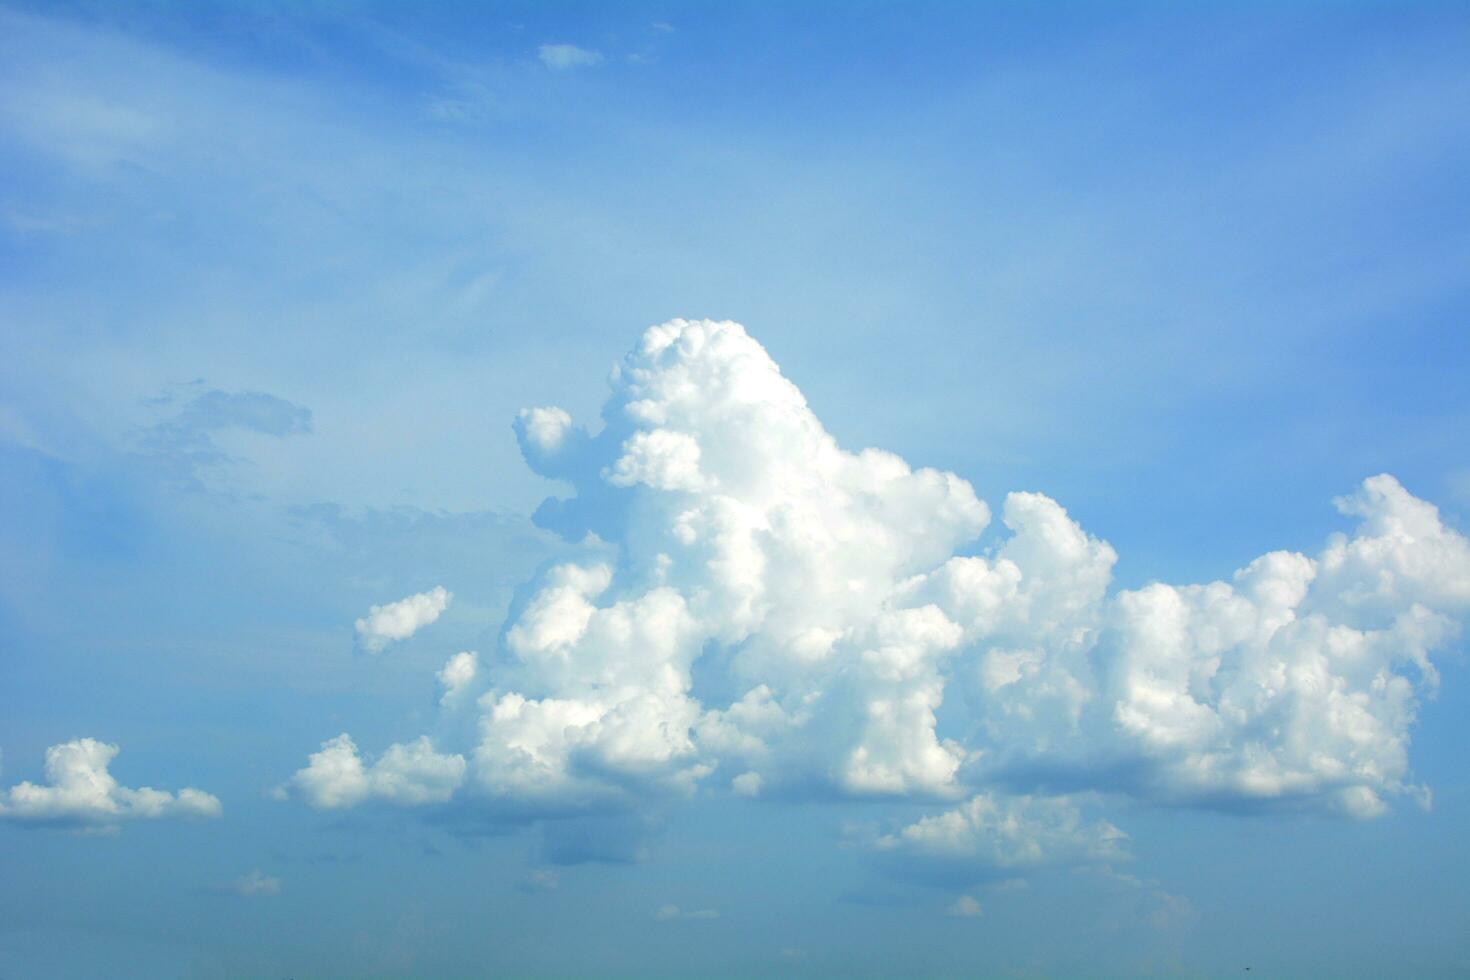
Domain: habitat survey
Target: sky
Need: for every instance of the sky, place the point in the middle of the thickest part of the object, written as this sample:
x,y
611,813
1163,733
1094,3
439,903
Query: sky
x,y
666,489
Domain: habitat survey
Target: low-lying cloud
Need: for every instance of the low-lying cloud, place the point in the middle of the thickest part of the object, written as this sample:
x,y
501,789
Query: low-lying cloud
x,y
399,620
80,793
834,599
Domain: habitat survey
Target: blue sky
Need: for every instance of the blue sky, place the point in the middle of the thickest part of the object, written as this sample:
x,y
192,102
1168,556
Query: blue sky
x,y
277,281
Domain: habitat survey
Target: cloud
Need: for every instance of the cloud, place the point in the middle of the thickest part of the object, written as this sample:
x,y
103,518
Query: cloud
x,y
255,411
831,601
1145,898
400,620
565,57
964,907
458,674
409,774
991,835
79,792
184,445
545,429
256,883
669,913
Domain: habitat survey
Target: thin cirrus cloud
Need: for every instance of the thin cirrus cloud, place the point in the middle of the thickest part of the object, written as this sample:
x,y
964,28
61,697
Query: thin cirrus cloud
x,y
185,445
80,793
839,597
399,620
566,57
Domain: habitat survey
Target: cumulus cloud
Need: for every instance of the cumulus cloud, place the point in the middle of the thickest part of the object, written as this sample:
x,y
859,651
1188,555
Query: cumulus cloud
x,y
544,429
399,620
458,674
565,57
408,774
831,602
992,835
79,792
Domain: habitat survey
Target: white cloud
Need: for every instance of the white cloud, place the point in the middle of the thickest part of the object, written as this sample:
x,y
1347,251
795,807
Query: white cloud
x,y
256,882
747,784
399,620
408,774
565,57
458,674
840,599
543,429
80,792
991,833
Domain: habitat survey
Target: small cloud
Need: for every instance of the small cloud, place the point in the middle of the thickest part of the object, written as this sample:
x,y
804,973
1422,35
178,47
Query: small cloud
x,y
457,674
1010,885
400,620
992,834
964,907
256,882
566,57
747,784
668,913
662,26
408,774
541,880
81,794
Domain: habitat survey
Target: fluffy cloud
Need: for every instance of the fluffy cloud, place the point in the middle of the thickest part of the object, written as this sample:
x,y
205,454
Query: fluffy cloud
x,y
408,774
458,674
400,620
80,792
831,602
565,57
992,834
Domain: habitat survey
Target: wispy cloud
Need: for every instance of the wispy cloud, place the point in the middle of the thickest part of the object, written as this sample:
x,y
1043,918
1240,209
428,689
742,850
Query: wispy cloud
x,y
964,907
255,883
565,57
670,913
